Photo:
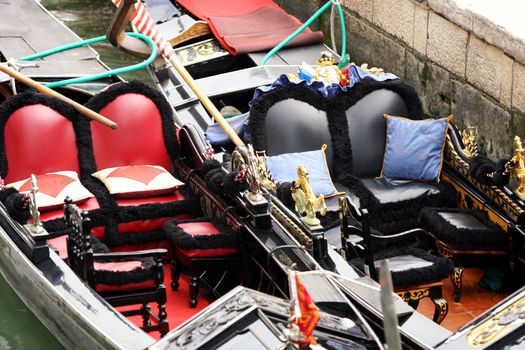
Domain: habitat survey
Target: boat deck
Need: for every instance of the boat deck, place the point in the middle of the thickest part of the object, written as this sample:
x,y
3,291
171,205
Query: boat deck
x,y
474,300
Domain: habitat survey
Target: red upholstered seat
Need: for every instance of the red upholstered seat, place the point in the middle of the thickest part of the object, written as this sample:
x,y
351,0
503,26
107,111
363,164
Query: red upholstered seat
x,y
115,276
146,136
200,245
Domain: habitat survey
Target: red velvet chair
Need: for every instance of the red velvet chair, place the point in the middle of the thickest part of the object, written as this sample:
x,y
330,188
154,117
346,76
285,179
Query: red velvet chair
x,y
200,245
38,135
146,136
120,278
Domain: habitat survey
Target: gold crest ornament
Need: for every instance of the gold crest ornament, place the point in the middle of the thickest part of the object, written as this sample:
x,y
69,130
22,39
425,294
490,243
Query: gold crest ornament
x,y
328,72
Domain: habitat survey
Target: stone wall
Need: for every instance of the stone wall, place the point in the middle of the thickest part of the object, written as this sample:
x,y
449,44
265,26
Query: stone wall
x,y
460,63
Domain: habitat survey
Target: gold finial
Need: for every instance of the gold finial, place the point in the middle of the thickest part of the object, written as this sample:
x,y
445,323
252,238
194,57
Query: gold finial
x,y
305,199
469,139
252,176
265,176
516,166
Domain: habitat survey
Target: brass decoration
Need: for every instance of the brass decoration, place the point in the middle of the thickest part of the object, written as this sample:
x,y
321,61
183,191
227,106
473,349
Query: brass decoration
x,y
305,199
290,225
252,176
374,70
237,160
457,281
493,192
265,176
443,250
441,310
501,324
468,137
328,72
413,294
516,166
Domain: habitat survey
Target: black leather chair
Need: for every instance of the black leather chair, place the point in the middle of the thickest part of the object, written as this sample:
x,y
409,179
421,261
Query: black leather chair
x,y
353,127
416,274
462,233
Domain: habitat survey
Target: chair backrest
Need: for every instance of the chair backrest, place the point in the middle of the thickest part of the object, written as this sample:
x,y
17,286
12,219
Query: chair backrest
x,y
80,253
37,136
146,131
351,124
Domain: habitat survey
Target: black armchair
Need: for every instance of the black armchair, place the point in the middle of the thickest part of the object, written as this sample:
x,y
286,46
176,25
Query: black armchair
x,y
127,278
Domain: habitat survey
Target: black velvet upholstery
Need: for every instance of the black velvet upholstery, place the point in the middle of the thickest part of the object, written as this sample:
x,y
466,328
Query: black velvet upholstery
x,y
438,270
470,230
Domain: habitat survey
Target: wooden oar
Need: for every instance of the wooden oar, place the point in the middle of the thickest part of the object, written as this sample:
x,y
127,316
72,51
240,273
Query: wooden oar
x,y
45,90
206,102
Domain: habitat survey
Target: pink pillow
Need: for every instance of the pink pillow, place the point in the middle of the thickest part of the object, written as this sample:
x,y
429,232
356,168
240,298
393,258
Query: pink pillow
x,y
53,188
136,181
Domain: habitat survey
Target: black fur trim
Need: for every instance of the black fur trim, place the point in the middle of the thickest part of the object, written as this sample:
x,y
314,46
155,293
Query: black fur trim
x,y
493,238
231,187
118,278
14,206
225,239
97,246
336,113
439,269
284,194
501,177
214,180
209,164
27,99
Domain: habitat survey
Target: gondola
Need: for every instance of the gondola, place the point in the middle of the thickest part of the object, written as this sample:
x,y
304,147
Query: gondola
x,y
271,237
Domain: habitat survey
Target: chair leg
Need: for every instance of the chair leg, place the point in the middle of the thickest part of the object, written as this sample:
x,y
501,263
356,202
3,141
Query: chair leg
x,y
413,303
145,312
175,274
194,289
163,322
441,310
440,304
457,281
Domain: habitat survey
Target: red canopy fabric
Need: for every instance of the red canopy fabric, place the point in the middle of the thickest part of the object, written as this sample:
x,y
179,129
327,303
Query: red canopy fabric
x,y
249,26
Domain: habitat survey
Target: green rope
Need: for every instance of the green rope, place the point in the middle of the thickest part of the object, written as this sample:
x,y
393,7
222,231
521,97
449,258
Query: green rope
x,y
105,74
305,25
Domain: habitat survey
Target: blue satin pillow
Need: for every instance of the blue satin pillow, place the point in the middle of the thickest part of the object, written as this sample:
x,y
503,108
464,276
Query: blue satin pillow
x,y
414,148
284,169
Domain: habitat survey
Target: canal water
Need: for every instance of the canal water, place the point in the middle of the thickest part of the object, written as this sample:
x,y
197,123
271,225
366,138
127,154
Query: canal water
x,y
19,328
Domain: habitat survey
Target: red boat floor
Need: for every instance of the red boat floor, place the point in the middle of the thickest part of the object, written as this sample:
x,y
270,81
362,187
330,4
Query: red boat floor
x,y
474,300
177,307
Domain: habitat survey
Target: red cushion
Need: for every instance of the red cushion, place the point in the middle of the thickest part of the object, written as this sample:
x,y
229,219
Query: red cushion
x,y
121,266
177,196
148,225
39,140
130,143
53,188
137,181
90,204
199,228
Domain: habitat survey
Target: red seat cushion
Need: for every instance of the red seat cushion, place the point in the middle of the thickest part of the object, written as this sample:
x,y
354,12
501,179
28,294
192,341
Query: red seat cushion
x,y
185,256
124,275
60,245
